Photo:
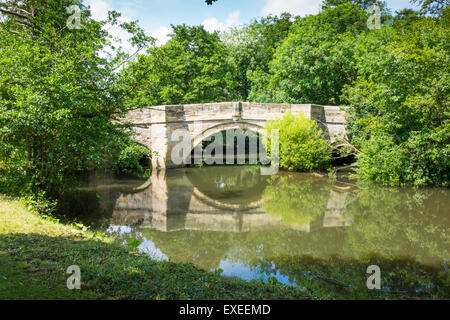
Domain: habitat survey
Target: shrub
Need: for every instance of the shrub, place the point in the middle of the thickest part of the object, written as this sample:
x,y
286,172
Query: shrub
x,y
131,159
423,159
302,144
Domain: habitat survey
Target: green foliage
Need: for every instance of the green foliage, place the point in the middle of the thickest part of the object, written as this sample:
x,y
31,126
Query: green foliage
x,y
422,160
432,6
400,102
41,204
364,4
132,159
190,68
316,60
59,94
13,179
251,48
303,145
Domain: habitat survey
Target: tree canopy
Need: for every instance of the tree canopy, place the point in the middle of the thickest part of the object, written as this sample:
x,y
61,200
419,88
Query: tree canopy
x,y
190,68
59,92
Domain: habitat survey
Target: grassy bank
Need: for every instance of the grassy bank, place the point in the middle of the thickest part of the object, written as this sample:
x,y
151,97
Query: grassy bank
x,y
36,251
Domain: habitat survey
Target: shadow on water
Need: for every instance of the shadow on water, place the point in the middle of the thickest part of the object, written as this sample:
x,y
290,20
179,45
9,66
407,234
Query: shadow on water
x,y
297,228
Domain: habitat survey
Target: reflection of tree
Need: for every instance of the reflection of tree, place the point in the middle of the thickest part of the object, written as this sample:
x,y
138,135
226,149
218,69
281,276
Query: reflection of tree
x,y
345,278
395,222
404,231
298,199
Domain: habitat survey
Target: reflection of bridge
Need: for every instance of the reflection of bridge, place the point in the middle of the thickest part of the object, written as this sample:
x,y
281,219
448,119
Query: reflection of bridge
x,y
154,125
170,204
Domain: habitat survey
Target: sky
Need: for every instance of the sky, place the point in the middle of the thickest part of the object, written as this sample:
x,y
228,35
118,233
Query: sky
x,y
156,16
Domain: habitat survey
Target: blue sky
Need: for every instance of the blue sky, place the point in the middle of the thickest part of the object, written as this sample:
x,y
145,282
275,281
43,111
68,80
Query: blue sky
x,y
156,16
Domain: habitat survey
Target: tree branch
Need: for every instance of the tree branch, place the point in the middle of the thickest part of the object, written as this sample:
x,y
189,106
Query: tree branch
x,y
13,13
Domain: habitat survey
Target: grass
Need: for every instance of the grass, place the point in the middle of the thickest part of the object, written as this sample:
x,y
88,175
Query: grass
x,y
35,252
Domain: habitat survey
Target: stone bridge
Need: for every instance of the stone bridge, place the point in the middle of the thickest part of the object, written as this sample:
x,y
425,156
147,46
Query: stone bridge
x,y
154,125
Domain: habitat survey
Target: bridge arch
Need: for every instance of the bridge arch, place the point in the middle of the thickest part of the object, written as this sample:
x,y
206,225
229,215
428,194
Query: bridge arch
x,y
245,126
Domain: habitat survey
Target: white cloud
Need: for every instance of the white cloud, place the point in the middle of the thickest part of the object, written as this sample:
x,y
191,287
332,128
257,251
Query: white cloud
x,y
296,7
212,24
162,35
99,11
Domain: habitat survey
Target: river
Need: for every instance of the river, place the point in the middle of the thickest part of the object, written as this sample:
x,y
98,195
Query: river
x,y
299,229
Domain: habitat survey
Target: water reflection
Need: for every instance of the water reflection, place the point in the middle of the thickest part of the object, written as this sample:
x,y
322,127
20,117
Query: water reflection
x,y
231,199
297,228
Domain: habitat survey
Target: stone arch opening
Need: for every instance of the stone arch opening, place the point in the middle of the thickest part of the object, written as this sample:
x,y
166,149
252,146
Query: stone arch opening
x,y
239,141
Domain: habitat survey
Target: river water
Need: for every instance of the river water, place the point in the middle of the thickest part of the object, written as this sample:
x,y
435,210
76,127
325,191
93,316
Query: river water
x,y
300,229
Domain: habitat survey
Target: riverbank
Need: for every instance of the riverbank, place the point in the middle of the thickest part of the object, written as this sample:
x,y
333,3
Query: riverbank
x,y
36,251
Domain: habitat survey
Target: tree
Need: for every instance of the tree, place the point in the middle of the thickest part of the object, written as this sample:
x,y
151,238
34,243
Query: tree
x,y
399,102
316,60
190,68
363,4
432,6
252,48
59,93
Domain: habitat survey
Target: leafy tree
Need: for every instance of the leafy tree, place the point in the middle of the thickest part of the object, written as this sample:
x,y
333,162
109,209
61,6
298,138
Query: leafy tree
x,y
399,102
432,6
252,48
191,68
59,93
316,60
363,4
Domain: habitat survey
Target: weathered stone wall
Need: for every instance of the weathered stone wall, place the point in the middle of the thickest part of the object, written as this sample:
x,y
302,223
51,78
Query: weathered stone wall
x,y
154,125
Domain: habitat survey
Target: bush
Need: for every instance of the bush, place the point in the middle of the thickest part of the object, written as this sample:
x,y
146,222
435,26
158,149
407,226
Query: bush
x,y
424,159
303,145
382,161
131,159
